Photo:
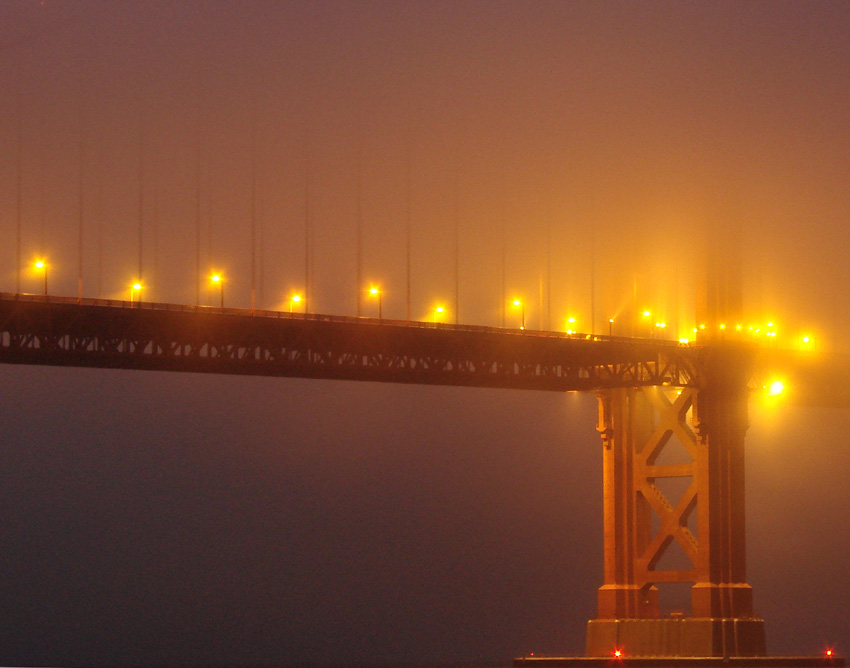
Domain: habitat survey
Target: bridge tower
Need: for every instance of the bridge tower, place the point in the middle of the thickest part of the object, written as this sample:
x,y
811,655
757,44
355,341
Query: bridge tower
x,y
643,519
707,522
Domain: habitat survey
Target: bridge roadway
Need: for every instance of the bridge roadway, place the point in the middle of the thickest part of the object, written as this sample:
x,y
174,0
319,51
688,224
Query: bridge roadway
x,y
114,334
62,331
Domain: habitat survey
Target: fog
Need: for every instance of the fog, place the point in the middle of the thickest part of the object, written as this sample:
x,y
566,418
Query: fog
x,y
588,159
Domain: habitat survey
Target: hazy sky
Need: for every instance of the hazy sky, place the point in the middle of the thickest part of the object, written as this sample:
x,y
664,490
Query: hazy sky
x,y
599,148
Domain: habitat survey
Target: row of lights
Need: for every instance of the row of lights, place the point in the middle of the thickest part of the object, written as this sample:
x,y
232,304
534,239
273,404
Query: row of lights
x,y
753,330
295,300
375,291
218,280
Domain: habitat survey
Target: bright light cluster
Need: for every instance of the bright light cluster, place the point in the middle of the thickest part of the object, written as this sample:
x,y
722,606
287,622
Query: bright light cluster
x,y
769,330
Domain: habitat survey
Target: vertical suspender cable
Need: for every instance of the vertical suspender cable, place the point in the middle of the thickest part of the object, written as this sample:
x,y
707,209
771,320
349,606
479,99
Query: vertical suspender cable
x,y
408,222
80,203
19,182
253,209
359,213
504,260
198,199
457,229
549,275
141,211
308,305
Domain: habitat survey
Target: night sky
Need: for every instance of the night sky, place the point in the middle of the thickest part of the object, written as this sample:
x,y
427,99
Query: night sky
x,y
589,153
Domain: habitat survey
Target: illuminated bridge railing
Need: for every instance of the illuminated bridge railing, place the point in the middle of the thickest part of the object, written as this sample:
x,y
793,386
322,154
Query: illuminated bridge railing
x,y
117,334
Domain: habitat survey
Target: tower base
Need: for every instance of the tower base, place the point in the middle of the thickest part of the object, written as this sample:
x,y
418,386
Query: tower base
x,y
676,637
686,662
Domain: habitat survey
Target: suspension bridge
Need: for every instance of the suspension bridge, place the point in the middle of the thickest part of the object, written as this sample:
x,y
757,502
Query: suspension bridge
x,y
650,392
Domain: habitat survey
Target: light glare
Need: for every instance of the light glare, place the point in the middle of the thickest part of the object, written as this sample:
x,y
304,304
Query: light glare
x,y
776,388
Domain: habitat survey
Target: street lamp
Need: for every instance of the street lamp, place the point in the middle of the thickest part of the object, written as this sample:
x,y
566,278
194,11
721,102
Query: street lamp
x,y
41,265
519,303
217,279
376,292
136,289
295,299
776,388
610,326
438,312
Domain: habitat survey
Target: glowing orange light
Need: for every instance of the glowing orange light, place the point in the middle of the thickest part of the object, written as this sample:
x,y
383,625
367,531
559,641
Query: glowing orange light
x,y
136,292
215,278
806,339
646,314
293,300
828,652
618,653
777,387
41,265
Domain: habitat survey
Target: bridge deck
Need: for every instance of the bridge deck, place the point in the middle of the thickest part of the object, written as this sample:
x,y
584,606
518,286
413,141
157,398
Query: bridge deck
x,y
117,334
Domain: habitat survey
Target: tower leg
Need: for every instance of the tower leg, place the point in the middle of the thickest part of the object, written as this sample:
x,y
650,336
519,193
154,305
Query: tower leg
x,y
641,522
